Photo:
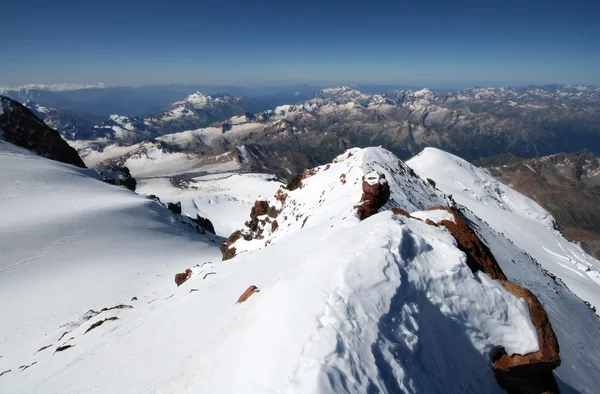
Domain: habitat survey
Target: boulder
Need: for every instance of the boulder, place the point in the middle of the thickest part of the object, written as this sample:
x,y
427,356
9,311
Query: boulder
x,y
226,249
174,207
120,176
245,295
376,192
530,373
205,224
182,277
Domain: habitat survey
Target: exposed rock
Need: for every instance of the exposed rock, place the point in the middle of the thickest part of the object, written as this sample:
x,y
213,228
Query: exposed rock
x,y
245,295
5,372
274,225
120,176
281,196
400,211
99,323
205,224
19,126
174,207
376,192
134,299
294,183
260,208
431,182
530,373
226,249
62,348
42,348
183,277
479,256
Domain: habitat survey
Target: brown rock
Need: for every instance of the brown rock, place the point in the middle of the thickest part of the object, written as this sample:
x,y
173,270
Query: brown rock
x,y
431,222
479,256
226,249
294,183
376,193
274,225
245,295
182,277
272,212
281,196
260,208
400,211
530,373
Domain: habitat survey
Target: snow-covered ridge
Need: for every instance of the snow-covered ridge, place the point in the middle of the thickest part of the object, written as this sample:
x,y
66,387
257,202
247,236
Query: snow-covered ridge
x,y
519,218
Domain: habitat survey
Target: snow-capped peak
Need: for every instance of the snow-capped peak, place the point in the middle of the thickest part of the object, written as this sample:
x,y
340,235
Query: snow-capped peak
x,y
198,99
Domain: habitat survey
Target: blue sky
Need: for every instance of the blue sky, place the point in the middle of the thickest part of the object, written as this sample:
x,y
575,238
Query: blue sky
x,y
437,43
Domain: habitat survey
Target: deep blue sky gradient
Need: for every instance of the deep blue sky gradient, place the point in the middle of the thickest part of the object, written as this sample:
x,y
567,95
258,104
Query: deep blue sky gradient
x,y
431,42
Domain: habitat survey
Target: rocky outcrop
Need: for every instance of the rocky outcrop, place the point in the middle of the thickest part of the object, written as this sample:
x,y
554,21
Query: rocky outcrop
x,y
479,256
376,192
226,249
255,227
530,373
245,295
120,176
183,277
205,223
518,374
19,126
174,207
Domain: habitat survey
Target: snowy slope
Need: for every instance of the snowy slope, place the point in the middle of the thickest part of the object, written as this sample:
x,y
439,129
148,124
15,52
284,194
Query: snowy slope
x,y
224,198
71,243
385,305
519,218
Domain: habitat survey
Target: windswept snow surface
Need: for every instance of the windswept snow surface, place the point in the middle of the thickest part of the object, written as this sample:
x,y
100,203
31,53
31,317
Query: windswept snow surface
x,y
519,218
383,305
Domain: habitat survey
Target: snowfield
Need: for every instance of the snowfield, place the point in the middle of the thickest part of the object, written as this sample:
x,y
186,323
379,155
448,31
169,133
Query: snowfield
x,y
519,218
383,305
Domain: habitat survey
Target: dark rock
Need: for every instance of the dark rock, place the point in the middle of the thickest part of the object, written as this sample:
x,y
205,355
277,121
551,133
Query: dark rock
x,y
99,323
174,207
120,176
294,183
21,127
226,249
431,182
205,224
260,208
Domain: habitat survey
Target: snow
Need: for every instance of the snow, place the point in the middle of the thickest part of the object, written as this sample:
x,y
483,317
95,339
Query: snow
x,y
345,306
71,243
224,198
436,215
519,218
